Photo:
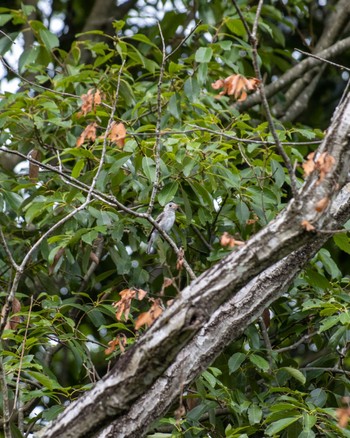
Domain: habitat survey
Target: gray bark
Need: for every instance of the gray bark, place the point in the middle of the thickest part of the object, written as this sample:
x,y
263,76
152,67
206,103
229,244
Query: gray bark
x,y
180,334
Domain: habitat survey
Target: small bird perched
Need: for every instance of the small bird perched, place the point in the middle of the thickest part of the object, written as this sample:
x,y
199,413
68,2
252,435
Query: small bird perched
x,y
166,220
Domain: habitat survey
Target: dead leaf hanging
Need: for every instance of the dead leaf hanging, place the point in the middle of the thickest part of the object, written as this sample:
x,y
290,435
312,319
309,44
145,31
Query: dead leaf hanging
x,y
236,86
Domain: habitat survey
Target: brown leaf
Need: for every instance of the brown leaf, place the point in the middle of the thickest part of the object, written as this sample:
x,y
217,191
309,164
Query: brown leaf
x,y
343,415
117,134
323,164
236,86
90,100
309,165
180,259
34,168
306,224
120,340
148,318
89,133
322,204
124,304
228,240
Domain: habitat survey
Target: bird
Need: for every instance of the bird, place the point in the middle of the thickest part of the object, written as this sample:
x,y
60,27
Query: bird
x,y
165,220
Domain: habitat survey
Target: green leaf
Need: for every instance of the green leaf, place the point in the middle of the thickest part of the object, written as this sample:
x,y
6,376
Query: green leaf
x,y
260,362
236,26
342,242
298,375
329,322
167,193
242,213
254,414
279,425
45,380
49,39
149,168
204,54
27,57
235,362
78,167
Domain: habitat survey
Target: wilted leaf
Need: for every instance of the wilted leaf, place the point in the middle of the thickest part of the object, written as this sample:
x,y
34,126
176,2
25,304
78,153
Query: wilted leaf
x,y
236,85
323,164
90,100
120,340
228,240
343,415
89,133
148,318
124,304
117,134
34,168
306,224
12,322
180,259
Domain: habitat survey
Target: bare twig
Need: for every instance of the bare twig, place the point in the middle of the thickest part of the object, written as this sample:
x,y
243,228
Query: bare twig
x,y
267,341
303,339
329,370
192,31
342,67
7,250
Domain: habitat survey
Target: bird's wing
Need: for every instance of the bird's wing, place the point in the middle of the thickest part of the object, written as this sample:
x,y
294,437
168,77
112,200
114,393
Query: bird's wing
x,y
158,219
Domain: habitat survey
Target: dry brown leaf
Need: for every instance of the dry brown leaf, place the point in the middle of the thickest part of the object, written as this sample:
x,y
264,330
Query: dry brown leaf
x,y
322,204
309,165
89,133
34,168
148,318
306,224
227,240
180,259
120,340
236,86
323,164
343,415
90,100
124,304
117,134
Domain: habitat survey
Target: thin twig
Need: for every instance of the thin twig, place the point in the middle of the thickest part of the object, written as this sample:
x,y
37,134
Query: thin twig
x,y
342,67
267,341
296,344
329,370
184,40
7,250
157,145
